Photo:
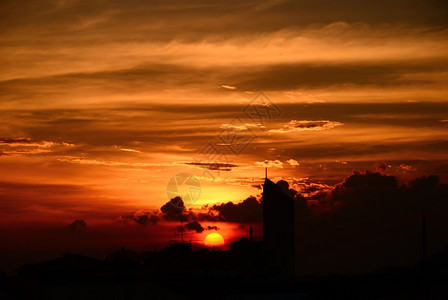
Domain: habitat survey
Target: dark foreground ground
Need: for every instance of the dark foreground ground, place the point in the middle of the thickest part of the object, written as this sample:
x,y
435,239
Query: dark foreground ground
x,y
81,277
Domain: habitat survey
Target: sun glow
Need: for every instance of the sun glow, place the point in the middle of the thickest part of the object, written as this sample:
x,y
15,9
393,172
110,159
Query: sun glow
x,y
214,240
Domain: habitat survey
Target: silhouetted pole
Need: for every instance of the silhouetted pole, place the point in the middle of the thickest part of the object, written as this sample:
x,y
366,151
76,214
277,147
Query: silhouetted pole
x,y
266,173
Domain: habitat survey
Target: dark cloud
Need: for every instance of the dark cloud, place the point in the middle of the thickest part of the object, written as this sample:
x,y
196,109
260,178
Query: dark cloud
x,y
249,210
77,225
368,193
145,217
213,166
369,221
194,226
308,188
359,195
172,209
284,187
16,141
425,193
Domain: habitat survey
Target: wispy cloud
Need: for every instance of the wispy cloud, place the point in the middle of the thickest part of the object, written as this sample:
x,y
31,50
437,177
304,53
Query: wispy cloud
x,y
85,161
295,125
270,163
406,168
227,87
130,150
293,162
23,146
28,142
213,166
240,127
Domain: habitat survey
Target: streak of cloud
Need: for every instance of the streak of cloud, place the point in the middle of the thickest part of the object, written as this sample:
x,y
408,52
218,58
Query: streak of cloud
x,y
270,163
295,125
227,87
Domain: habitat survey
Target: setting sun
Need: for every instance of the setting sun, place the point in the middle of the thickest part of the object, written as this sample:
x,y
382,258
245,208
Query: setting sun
x,y
214,240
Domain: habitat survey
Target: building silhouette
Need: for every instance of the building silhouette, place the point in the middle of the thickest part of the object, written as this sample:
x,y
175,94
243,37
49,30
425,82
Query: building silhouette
x,y
278,229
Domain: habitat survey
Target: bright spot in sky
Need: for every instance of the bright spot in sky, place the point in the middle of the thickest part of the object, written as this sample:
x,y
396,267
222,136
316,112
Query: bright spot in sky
x,y
214,240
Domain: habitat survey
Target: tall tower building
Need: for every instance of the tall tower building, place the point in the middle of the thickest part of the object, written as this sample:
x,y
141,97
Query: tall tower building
x,y
278,229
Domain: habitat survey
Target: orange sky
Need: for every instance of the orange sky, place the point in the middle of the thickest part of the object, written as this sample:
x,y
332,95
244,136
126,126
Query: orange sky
x,y
102,102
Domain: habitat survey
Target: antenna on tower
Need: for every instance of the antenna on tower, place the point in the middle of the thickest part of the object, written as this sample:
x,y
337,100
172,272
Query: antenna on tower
x,y
266,172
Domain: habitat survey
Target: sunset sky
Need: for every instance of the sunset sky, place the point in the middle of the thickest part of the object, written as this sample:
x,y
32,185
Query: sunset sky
x,y
102,102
